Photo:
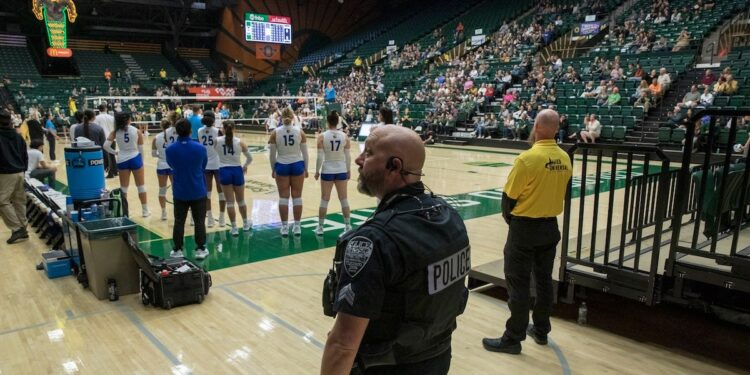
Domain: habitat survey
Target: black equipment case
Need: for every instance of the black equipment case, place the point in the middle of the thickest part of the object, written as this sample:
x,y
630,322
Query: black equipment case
x,y
171,288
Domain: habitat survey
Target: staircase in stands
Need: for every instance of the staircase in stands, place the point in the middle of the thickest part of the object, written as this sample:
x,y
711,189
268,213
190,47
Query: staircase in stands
x,y
134,67
647,132
198,67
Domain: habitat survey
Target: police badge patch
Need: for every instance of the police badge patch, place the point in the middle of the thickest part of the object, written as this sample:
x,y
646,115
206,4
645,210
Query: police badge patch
x,y
357,254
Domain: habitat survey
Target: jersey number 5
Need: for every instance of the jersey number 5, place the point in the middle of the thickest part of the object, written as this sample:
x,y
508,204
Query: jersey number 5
x,y
126,137
289,140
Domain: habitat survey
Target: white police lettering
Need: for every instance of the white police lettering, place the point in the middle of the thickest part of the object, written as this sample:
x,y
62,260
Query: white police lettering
x,y
357,254
443,273
346,293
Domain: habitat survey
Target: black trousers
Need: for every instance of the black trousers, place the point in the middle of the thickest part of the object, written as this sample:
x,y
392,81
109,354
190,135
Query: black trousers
x,y
51,142
530,248
198,210
434,366
43,174
110,162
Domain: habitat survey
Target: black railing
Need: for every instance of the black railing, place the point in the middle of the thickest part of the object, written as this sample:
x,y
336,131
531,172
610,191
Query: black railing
x,y
622,204
722,200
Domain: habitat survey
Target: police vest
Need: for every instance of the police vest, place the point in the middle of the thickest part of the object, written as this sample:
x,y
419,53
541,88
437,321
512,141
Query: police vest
x,y
419,313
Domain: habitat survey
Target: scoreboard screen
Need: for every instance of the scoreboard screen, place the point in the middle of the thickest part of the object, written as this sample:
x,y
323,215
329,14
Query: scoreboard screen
x,y
268,29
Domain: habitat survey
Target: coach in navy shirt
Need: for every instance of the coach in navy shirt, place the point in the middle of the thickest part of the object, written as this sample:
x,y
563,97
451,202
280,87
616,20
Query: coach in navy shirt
x,y
188,159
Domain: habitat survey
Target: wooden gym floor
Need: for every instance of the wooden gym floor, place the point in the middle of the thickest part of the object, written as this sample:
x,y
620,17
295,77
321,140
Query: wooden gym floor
x,y
263,315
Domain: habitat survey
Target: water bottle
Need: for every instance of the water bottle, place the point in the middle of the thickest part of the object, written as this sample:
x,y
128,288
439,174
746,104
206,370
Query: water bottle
x,y
112,289
582,313
95,211
69,204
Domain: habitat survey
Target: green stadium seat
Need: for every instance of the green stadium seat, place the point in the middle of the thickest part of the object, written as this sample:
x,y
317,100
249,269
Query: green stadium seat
x,y
678,135
607,132
619,133
664,135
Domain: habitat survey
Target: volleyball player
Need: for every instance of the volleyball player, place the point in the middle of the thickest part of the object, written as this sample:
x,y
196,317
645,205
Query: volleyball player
x,y
163,172
335,159
232,174
129,141
207,136
289,159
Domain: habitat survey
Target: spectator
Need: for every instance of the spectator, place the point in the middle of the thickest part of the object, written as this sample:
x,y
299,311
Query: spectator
x,y
708,79
707,98
37,167
655,89
664,79
675,118
35,128
592,130
509,131
563,129
107,123
683,41
89,129
330,93
50,131
691,98
13,163
107,75
614,98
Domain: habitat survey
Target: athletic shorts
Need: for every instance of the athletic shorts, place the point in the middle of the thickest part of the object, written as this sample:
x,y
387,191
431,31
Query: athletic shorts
x,y
334,176
231,176
294,169
132,164
164,172
211,172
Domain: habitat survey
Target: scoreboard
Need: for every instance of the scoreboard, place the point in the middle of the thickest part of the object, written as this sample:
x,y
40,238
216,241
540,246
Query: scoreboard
x,y
268,29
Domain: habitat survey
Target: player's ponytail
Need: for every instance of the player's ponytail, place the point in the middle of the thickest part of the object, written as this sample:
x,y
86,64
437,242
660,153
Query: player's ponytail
x,y
229,133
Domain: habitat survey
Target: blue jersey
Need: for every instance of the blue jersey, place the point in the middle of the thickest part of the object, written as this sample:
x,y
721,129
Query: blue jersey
x,y
195,125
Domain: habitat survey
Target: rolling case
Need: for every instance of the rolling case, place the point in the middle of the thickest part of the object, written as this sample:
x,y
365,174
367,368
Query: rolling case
x,y
169,283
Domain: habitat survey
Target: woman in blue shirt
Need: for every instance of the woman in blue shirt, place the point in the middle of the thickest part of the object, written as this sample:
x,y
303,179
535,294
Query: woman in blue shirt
x,y
51,133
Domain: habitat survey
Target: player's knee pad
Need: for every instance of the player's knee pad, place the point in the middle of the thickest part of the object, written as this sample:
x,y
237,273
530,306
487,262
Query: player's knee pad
x,y
124,189
323,204
241,203
297,201
283,201
141,189
230,204
344,203
221,197
163,191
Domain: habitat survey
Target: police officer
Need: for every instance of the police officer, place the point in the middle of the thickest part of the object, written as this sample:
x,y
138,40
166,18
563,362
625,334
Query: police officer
x,y
401,274
533,196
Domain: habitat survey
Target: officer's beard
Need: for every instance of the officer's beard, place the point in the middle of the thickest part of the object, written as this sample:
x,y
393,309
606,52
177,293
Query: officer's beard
x,y
368,185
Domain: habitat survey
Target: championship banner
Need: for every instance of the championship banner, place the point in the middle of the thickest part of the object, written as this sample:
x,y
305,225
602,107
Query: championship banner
x,y
265,51
211,91
477,40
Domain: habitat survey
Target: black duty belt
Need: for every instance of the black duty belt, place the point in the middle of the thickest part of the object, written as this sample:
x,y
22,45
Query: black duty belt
x,y
534,219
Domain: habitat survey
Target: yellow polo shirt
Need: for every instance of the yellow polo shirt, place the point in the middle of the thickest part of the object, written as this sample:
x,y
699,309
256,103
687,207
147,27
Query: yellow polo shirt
x,y
539,180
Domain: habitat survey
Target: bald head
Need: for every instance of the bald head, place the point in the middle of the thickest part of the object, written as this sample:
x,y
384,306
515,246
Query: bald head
x,y
547,123
402,143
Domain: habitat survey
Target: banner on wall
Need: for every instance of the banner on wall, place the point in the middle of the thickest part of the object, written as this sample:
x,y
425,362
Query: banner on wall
x,y
264,51
211,91
477,40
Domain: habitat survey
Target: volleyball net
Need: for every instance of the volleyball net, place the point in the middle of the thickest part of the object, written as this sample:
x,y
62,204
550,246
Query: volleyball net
x,y
246,111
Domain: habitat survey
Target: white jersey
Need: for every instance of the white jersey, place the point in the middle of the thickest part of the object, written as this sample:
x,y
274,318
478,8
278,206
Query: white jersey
x,y
229,155
334,152
127,143
106,121
271,122
207,136
161,149
288,139
170,136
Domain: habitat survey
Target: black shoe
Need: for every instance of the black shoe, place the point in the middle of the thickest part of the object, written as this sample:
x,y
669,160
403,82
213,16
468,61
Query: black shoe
x,y
18,236
110,176
501,346
538,337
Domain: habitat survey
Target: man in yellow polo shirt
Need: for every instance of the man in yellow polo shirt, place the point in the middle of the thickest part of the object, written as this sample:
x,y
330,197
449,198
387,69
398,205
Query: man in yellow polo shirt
x,y
533,197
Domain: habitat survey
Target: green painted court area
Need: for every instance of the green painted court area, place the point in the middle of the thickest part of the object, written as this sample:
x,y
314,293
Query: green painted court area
x,y
488,164
265,242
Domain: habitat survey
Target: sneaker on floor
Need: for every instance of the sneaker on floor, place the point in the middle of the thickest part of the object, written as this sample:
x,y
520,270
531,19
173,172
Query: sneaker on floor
x,y
297,230
222,222
248,226
538,337
164,214
146,212
319,230
210,222
284,230
501,346
18,236
192,222
347,228
201,254
235,232
176,254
